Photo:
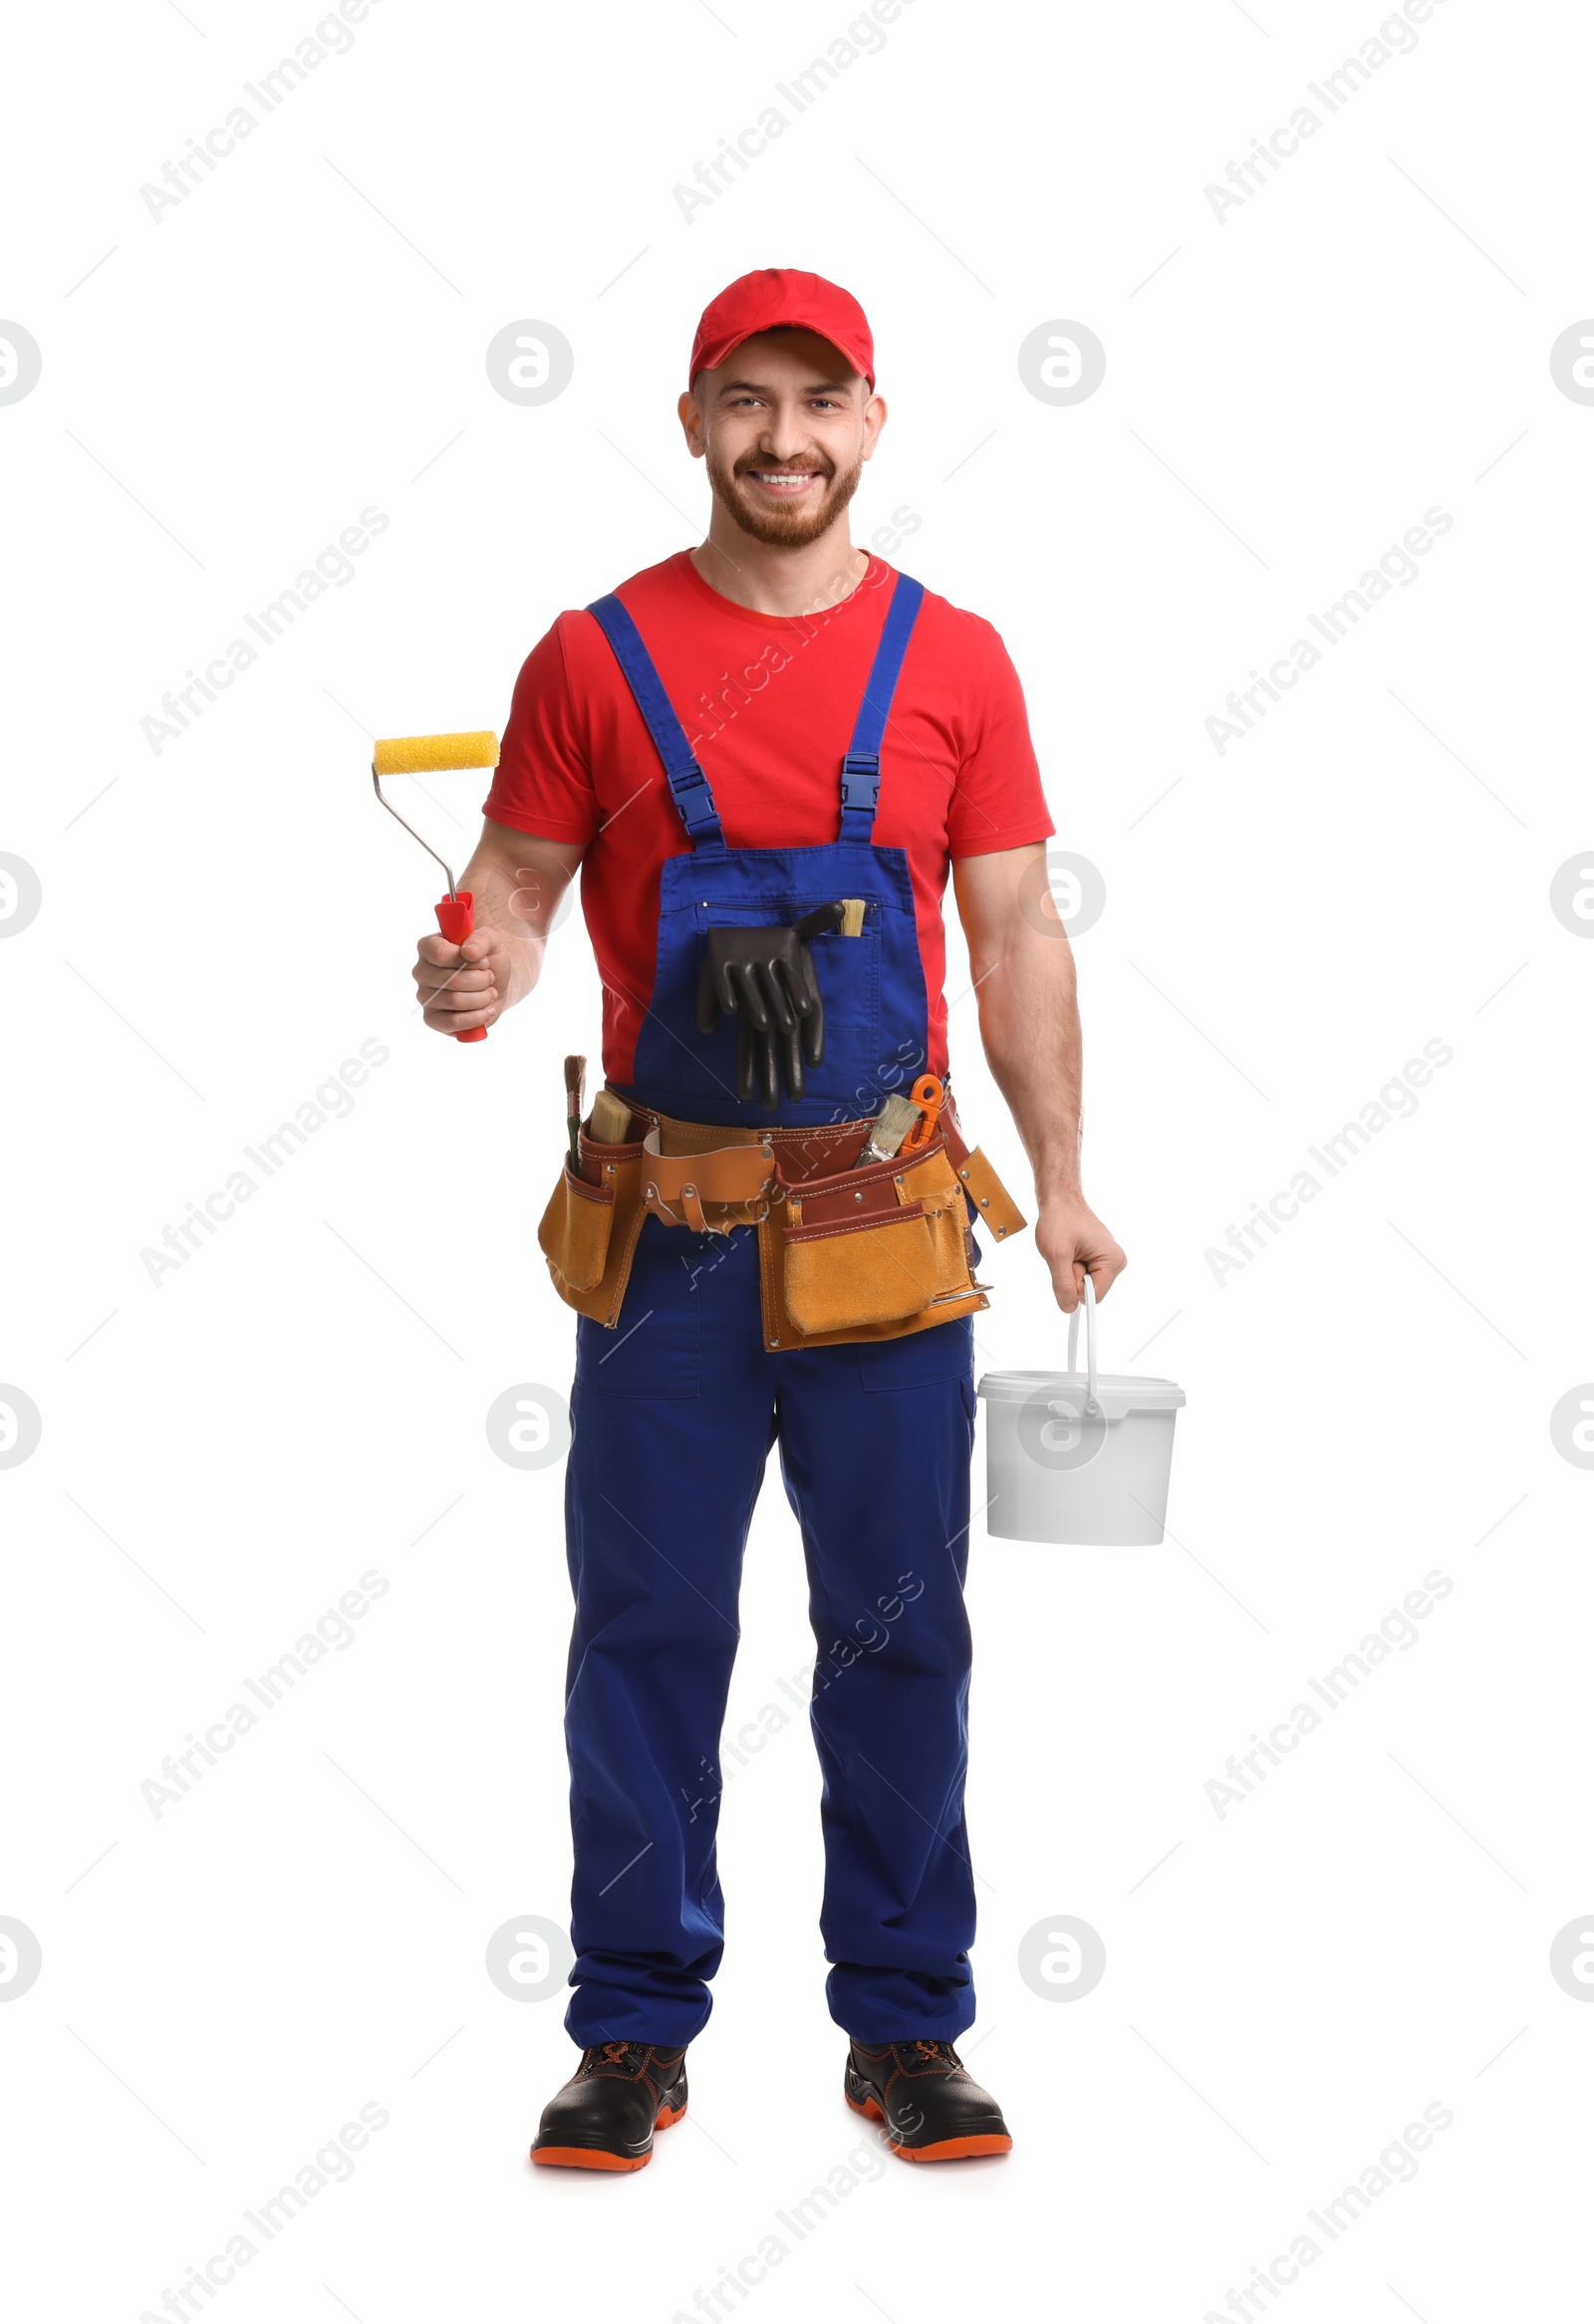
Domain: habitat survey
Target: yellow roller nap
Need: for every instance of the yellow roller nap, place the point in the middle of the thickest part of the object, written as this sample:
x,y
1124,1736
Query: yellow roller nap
x,y
424,754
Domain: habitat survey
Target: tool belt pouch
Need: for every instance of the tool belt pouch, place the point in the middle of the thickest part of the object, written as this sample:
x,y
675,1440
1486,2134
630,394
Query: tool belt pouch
x,y
575,1232
876,1244
588,1233
711,1191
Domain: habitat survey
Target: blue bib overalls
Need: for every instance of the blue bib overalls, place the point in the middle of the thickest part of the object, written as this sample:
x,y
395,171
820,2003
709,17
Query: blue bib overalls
x,y
674,1414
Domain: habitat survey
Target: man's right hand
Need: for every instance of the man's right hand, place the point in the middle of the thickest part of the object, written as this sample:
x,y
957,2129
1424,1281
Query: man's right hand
x,y
464,985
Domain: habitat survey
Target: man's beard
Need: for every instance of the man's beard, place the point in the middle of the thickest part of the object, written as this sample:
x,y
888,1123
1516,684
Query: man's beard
x,y
777,526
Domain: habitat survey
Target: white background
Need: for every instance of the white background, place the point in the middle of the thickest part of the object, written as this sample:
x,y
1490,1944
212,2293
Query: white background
x,y
224,1455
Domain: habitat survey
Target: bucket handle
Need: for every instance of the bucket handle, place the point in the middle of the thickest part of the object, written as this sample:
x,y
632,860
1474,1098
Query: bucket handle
x,y
1089,1303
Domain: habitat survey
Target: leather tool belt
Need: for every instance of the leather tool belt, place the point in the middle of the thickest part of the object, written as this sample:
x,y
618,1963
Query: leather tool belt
x,y
846,1250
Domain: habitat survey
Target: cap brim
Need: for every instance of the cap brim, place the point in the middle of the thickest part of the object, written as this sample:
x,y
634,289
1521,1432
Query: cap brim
x,y
714,359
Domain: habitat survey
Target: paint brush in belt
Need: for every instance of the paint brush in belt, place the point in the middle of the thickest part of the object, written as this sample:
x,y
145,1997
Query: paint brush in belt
x,y
902,1125
575,1090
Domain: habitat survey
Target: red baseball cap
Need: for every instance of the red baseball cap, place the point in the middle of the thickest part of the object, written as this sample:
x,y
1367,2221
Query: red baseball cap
x,y
782,294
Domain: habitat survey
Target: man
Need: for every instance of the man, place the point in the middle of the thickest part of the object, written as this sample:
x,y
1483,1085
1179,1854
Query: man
x,y
763,895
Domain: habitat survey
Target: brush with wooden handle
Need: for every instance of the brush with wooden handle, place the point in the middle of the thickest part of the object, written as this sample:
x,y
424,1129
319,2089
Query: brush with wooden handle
x,y
904,1125
574,1093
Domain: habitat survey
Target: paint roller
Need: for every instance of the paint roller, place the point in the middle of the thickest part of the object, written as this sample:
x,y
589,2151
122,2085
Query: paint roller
x,y
423,754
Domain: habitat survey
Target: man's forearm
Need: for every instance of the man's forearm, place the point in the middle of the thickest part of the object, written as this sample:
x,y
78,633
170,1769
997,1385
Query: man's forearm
x,y
517,884
1029,1025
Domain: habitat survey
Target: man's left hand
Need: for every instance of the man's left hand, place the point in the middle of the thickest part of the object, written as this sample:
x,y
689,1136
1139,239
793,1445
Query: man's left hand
x,y
1073,1242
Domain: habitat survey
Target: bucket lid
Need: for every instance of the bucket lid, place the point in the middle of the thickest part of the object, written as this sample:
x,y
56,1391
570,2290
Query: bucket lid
x,y
1118,1393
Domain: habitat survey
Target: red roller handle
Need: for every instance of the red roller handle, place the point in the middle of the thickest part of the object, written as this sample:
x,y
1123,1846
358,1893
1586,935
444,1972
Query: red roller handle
x,y
456,918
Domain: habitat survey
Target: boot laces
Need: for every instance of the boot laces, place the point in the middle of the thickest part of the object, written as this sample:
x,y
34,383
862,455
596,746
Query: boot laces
x,y
935,2053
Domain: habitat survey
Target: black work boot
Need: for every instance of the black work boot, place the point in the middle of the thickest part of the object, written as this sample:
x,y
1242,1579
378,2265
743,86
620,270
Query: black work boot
x,y
605,2117
932,2108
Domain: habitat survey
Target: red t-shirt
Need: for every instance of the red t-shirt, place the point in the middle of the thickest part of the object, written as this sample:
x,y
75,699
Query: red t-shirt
x,y
769,703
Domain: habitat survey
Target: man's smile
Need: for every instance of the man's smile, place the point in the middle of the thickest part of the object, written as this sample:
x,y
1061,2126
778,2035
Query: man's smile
x,y
783,483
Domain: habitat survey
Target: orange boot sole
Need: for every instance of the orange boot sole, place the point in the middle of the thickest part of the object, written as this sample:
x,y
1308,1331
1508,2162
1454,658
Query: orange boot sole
x,y
595,2158
944,2150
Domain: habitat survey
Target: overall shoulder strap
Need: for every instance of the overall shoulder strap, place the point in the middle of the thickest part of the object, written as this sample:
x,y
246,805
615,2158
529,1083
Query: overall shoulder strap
x,y
687,783
860,769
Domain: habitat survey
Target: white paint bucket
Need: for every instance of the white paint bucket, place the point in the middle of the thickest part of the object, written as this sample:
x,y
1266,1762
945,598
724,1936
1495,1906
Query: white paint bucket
x,y
1074,1458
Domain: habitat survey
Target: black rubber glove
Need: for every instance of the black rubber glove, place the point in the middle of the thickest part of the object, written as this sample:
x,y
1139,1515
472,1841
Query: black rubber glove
x,y
764,978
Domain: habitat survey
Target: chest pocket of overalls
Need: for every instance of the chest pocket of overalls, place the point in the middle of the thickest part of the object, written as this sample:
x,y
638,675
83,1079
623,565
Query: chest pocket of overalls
x,y
848,969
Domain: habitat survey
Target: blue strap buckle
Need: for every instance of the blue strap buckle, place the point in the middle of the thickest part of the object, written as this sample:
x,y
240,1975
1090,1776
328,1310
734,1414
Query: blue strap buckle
x,y
694,799
860,781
